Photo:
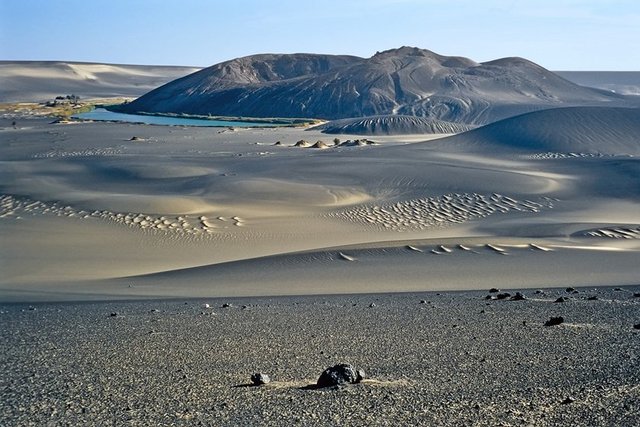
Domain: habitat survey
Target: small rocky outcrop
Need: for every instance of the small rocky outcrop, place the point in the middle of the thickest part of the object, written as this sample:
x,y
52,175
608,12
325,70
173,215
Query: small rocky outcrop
x,y
340,374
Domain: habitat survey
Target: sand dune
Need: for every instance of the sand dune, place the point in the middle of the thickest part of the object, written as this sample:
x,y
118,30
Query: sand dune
x,y
36,81
89,213
392,125
563,133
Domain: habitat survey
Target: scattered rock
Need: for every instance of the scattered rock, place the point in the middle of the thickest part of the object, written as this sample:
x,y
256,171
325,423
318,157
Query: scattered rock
x,y
302,143
636,326
504,295
553,321
518,297
539,291
277,143
570,289
226,305
260,379
636,294
113,314
135,138
424,301
340,374
494,290
592,298
319,144
373,304
561,299
568,400
617,289
206,306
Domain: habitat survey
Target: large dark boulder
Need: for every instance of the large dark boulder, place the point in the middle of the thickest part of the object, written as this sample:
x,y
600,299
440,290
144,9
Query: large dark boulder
x,y
340,374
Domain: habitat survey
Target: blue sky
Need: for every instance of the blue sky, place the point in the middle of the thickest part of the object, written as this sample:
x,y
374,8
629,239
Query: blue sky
x,y
557,34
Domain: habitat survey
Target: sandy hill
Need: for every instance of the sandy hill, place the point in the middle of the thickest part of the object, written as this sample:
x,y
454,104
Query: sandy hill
x,y
407,81
34,81
577,130
391,125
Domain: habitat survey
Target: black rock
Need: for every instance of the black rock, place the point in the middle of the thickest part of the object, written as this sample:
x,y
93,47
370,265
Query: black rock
x,y
260,379
494,290
491,297
113,314
518,297
539,291
636,326
592,298
341,374
636,294
373,304
570,289
568,400
561,299
226,305
504,295
553,321
617,289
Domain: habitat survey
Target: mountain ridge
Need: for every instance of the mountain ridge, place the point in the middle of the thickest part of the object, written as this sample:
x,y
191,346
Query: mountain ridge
x,y
404,81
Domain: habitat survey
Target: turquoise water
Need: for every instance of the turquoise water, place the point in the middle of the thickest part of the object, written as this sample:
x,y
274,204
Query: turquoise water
x,y
100,114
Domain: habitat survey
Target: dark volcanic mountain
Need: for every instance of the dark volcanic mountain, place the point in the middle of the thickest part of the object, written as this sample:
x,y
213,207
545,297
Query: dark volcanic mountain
x,y
407,81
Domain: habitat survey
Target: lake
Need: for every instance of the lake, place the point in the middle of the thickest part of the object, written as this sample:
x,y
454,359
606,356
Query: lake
x,y
101,114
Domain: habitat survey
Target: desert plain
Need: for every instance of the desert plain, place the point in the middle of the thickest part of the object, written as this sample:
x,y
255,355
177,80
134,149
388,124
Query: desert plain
x,y
377,250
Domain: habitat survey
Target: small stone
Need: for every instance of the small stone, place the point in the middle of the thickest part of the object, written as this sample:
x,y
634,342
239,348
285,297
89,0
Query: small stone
x,y
206,306
617,289
636,326
539,291
518,297
568,400
561,299
260,379
570,290
494,290
553,321
226,305
424,301
373,304
504,295
636,294
592,298
340,374
113,314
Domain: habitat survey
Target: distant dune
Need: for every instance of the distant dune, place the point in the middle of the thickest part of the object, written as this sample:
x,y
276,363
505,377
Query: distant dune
x,y
35,81
577,130
405,81
392,125
622,82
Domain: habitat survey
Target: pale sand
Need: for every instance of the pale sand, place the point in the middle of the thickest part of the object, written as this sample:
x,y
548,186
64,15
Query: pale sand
x,y
87,213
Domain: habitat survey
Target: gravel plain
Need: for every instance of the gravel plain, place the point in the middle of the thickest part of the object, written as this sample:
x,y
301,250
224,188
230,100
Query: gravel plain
x,y
447,359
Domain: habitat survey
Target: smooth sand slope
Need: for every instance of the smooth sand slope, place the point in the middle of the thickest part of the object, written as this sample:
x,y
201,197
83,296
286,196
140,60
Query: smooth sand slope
x,y
37,81
544,199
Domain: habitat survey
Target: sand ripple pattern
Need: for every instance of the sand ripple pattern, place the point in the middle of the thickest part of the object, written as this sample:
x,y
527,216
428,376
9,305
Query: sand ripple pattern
x,y
420,214
89,152
615,233
17,207
551,155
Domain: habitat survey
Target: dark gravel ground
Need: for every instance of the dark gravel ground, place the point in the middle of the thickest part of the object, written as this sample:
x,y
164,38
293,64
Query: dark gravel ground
x,y
443,359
